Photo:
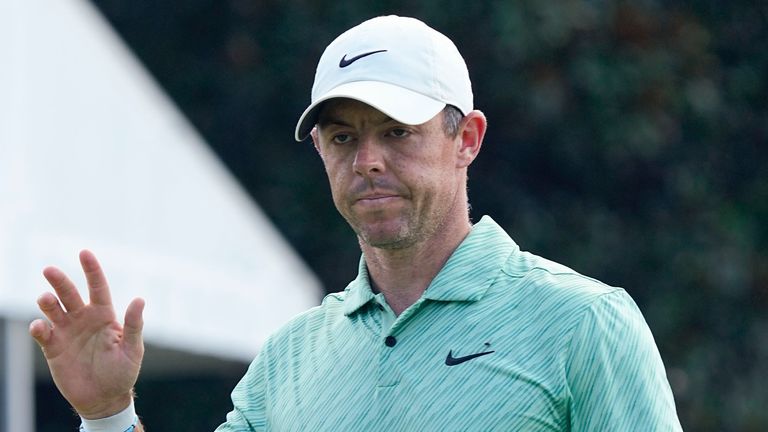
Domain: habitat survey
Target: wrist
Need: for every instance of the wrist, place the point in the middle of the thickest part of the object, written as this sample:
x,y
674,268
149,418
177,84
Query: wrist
x,y
106,409
124,421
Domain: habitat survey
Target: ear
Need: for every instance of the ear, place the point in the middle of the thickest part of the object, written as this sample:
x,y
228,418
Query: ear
x,y
316,140
470,137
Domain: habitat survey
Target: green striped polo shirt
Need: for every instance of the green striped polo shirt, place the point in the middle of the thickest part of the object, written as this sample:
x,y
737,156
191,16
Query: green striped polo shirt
x,y
501,340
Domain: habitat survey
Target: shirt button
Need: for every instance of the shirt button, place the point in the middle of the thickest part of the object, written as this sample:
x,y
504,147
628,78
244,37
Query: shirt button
x,y
390,341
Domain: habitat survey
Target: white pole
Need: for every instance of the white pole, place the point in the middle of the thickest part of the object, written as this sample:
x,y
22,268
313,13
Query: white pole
x,y
19,378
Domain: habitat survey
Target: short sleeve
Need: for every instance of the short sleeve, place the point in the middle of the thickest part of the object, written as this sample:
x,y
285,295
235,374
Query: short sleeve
x,y
615,373
248,400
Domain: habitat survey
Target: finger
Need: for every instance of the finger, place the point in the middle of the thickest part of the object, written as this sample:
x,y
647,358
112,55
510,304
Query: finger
x,y
50,306
98,289
134,323
65,289
40,332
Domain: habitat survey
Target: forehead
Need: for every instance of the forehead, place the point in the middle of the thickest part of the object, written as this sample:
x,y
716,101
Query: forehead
x,y
339,109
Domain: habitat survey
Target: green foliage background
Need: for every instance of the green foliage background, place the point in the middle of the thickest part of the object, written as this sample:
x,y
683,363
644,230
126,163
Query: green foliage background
x,y
627,140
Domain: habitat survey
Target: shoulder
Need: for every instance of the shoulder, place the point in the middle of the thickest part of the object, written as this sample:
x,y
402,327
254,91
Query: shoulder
x,y
294,333
539,283
554,302
572,306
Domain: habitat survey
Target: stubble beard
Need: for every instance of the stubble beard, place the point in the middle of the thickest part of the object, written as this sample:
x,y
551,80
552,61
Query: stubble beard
x,y
403,237
413,227
415,224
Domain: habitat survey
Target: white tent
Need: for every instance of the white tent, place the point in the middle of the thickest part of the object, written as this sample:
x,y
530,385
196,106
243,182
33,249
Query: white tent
x,y
93,154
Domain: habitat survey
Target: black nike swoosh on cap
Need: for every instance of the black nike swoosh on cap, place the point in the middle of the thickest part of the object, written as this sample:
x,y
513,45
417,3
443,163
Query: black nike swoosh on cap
x,y
450,360
346,62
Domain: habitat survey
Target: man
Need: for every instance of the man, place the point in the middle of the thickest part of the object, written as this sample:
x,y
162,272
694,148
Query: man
x,y
448,325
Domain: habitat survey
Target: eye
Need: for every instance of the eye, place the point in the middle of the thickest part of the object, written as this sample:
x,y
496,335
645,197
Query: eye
x,y
399,133
341,138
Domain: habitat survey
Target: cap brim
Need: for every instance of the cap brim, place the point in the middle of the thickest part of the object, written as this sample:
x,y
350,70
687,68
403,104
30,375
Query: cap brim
x,y
401,104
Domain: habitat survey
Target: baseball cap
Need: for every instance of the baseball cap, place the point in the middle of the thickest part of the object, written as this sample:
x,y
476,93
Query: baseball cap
x,y
398,65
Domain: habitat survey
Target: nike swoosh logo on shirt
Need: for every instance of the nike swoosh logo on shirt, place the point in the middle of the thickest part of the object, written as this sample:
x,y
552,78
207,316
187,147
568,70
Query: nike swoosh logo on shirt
x,y
450,360
346,62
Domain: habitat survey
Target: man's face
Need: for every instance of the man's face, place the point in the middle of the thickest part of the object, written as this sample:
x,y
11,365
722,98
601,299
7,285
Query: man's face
x,y
395,184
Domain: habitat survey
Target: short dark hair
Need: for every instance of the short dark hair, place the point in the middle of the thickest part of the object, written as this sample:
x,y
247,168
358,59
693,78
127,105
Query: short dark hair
x,y
451,119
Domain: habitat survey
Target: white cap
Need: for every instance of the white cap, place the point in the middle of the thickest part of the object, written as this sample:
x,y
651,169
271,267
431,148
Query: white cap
x,y
398,65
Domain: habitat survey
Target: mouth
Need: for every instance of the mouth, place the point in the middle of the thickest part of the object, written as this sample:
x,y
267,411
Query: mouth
x,y
377,199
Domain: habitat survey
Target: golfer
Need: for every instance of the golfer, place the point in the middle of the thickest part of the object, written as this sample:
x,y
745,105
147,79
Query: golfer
x,y
449,325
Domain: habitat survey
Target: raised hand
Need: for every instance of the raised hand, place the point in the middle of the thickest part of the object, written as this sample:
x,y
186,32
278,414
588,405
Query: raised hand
x,y
94,360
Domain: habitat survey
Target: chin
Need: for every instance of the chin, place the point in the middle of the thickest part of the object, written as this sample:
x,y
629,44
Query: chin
x,y
388,244
384,230
397,238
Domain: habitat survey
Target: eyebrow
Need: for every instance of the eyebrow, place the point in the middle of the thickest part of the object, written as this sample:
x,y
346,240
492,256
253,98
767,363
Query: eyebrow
x,y
332,119
328,120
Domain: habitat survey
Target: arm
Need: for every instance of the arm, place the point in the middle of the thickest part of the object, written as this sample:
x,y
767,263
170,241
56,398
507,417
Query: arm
x,y
615,373
94,360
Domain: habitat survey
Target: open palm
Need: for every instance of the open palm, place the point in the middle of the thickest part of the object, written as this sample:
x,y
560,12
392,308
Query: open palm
x,y
94,360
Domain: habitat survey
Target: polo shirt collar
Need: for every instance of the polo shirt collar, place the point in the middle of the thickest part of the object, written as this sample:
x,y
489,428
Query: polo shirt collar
x,y
474,265
359,291
466,276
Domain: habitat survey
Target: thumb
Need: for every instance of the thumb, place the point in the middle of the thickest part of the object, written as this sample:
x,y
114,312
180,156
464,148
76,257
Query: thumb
x,y
134,323
40,331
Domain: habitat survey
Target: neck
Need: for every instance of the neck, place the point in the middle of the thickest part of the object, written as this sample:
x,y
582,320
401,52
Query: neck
x,y
403,275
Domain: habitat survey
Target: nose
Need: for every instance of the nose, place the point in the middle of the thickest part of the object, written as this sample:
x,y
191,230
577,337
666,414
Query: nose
x,y
369,159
